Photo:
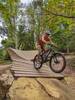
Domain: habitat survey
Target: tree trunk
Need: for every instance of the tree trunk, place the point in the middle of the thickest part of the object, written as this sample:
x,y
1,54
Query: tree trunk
x,y
68,49
16,41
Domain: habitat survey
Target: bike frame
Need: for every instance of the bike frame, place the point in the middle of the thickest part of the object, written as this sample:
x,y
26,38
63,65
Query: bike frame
x,y
49,55
46,54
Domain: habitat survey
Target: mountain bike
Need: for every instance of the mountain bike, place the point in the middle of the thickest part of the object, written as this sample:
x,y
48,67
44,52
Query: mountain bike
x,y
56,60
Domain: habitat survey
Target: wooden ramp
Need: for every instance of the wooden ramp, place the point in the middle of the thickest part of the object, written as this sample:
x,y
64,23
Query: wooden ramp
x,y
23,66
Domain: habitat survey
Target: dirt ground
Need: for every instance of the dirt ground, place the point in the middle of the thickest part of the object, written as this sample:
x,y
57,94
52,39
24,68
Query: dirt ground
x,y
69,71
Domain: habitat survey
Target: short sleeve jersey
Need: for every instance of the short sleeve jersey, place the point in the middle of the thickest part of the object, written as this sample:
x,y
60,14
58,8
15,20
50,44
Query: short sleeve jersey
x,y
46,38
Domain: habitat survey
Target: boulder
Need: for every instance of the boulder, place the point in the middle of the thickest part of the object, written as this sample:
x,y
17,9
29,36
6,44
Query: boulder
x,y
27,89
39,89
6,80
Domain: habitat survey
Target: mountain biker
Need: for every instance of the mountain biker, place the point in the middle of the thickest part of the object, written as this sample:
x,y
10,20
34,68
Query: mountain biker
x,y
43,41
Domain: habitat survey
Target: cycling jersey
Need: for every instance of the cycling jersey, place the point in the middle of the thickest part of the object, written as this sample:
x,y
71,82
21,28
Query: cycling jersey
x,y
42,43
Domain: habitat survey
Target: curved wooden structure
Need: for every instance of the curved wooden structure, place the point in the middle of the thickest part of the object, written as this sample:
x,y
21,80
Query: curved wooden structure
x,y
23,66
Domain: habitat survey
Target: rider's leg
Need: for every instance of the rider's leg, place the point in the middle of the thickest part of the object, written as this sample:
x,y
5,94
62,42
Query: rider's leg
x,y
42,49
38,48
46,48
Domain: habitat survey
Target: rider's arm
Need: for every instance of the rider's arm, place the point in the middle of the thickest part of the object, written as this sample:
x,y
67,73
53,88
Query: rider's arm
x,y
52,43
43,39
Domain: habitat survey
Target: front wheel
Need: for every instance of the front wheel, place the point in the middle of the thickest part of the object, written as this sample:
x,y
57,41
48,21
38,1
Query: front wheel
x,y
57,63
37,62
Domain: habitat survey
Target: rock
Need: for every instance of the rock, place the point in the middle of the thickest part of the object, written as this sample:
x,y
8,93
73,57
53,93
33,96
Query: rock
x,y
71,83
27,89
2,91
57,89
6,80
39,89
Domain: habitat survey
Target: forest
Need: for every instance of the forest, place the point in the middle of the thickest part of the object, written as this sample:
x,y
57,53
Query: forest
x,y
23,24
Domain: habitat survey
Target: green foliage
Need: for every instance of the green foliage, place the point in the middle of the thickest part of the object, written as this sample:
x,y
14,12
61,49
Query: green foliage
x,y
1,54
57,12
56,15
25,39
9,11
4,55
8,43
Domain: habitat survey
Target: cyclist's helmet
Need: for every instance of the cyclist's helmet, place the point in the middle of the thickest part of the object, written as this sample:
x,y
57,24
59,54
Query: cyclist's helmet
x,y
48,32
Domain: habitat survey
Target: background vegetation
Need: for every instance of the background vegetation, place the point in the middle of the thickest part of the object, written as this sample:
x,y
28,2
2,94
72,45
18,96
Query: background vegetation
x,y
22,26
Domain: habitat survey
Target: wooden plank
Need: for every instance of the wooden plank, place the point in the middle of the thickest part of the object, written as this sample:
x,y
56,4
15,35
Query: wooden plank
x,y
44,76
23,63
31,73
22,66
38,74
34,71
29,68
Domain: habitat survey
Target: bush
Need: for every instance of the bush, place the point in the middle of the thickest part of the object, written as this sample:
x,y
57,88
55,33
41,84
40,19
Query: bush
x,y
4,54
1,54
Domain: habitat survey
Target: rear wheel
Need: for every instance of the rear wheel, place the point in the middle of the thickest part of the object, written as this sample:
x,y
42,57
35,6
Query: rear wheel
x,y
57,63
37,62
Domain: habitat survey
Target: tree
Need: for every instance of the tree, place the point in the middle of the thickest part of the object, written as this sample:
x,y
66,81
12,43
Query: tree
x,y
40,15
9,11
60,13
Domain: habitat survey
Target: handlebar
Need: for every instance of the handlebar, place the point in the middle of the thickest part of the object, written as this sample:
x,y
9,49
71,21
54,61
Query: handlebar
x,y
52,45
